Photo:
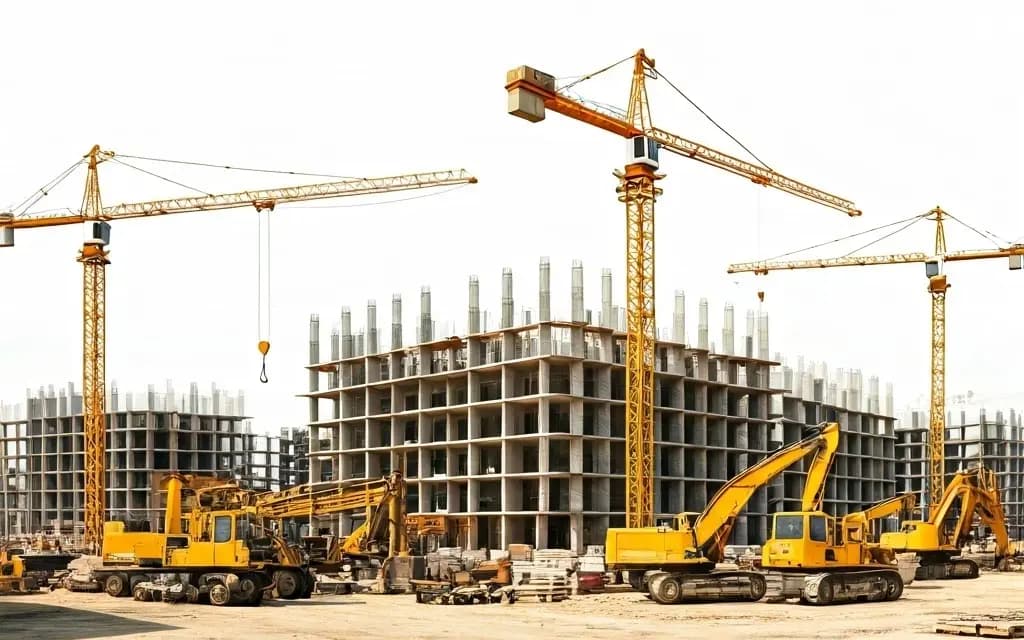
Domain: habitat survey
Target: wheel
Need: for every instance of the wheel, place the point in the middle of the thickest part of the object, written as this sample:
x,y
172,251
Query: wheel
x,y
247,588
664,589
894,587
825,591
289,583
116,585
220,595
141,594
758,587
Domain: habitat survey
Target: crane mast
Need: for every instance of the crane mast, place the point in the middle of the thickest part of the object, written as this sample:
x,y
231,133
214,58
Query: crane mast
x,y
531,93
94,257
938,285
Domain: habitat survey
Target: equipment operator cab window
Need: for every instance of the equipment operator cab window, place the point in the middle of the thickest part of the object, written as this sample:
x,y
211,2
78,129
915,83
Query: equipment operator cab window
x,y
789,527
222,529
818,529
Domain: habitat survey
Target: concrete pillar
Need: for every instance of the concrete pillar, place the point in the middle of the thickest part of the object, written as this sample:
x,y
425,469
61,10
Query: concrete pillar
x,y
606,299
679,318
371,327
396,321
507,305
729,331
887,409
545,290
577,291
702,324
426,325
749,338
347,346
474,305
762,336
314,358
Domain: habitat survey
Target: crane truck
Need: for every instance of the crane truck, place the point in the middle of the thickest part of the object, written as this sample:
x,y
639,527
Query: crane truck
x,y
827,560
222,550
937,541
677,564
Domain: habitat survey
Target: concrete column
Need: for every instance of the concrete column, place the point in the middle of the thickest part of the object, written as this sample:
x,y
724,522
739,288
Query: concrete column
x,y
396,321
762,336
729,331
426,325
507,305
474,305
749,338
545,290
679,318
577,291
347,342
702,324
371,327
314,358
606,299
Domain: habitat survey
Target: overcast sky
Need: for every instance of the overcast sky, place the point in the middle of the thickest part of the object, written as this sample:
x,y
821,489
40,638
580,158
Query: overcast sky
x,y
896,106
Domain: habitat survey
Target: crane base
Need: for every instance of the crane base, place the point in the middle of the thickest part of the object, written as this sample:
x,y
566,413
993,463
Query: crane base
x,y
720,586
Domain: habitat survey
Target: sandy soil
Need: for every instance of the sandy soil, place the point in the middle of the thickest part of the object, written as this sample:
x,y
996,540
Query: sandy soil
x,y
62,615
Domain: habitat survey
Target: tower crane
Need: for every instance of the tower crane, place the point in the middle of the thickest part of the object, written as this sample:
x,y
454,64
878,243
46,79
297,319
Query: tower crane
x,y
937,287
94,257
530,94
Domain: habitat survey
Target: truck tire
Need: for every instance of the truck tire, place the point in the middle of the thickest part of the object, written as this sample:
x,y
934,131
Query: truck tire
x,y
289,584
220,595
117,585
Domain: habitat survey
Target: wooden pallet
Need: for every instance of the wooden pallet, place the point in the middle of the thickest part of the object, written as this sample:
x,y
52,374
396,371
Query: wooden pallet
x,y
984,626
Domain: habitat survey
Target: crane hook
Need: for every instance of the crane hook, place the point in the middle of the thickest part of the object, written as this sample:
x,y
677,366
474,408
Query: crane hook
x,y
264,348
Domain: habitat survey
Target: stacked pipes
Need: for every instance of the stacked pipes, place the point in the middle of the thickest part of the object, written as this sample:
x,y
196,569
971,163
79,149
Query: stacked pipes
x,y
545,290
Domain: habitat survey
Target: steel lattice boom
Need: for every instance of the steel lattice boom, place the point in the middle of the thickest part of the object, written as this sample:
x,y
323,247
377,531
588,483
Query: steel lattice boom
x,y
94,258
531,93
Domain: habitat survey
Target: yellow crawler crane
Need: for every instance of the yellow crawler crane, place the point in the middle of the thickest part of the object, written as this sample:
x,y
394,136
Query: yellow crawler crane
x,y
677,564
938,540
827,560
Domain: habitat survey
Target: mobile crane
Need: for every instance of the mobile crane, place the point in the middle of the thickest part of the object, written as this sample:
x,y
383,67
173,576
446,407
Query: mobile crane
x,y
937,541
221,549
827,560
677,564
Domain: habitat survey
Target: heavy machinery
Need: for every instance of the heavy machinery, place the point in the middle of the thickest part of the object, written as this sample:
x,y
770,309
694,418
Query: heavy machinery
x,y
221,549
530,94
677,564
95,256
827,560
30,568
937,541
937,287
426,532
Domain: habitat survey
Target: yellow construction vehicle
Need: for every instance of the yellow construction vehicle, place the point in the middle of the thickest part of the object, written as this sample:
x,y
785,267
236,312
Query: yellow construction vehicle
x,y
26,569
426,533
222,549
938,540
677,564
827,560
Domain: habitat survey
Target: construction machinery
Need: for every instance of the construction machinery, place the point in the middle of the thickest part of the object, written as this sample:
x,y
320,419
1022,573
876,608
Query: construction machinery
x,y
25,569
677,564
937,287
530,94
938,540
426,532
825,560
221,550
94,257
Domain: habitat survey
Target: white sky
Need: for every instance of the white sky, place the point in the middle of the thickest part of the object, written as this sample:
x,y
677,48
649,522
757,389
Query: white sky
x,y
897,106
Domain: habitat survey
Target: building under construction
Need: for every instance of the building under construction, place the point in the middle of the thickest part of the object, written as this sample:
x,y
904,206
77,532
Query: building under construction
x,y
517,432
974,435
42,458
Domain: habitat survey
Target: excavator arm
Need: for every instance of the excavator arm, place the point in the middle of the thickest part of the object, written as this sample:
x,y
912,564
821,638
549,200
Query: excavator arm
x,y
714,525
817,473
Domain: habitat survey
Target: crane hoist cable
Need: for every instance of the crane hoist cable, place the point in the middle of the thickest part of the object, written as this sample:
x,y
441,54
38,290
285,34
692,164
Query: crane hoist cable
x,y
263,288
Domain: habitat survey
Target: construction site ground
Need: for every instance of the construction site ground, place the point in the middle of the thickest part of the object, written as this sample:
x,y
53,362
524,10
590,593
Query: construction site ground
x,y
63,615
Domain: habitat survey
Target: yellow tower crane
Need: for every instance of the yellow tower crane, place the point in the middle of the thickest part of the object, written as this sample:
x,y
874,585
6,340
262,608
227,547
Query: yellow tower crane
x,y
95,257
937,287
531,93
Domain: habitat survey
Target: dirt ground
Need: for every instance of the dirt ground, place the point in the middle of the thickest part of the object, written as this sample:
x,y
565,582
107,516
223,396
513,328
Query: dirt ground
x,y
62,615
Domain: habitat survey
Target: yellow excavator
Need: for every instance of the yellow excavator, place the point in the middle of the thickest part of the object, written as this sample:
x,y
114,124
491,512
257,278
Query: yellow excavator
x,y
938,540
827,560
222,549
677,564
